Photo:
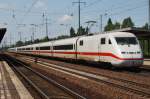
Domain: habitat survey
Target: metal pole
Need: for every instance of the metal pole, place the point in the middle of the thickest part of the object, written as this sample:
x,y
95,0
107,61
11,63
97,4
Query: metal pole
x,y
79,16
33,34
101,23
46,28
20,35
79,11
149,15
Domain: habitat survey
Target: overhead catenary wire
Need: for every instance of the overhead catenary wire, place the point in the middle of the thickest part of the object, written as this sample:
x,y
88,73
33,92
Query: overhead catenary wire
x,y
93,3
121,6
28,11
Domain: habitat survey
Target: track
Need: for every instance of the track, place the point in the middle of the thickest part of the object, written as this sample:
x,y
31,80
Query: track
x,y
145,71
127,85
46,87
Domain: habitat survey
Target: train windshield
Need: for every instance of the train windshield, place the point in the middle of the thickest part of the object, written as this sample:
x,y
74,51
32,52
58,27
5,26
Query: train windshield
x,y
126,40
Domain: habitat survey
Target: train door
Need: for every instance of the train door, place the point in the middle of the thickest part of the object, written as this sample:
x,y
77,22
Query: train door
x,y
102,48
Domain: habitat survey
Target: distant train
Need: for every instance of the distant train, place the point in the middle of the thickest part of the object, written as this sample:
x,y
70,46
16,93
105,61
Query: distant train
x,y
121,49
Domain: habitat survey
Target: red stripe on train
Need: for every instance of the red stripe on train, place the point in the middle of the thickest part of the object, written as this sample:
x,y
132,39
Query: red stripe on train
x,y
90,53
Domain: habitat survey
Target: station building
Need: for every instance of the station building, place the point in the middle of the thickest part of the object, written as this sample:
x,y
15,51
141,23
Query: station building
x,y
2,33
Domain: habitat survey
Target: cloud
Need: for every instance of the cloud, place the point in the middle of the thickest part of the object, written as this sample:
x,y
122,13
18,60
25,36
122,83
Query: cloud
x,y
65,18
40,4
6,6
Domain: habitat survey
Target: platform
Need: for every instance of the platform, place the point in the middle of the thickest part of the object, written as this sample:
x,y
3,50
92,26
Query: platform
x,y
147,62
10,85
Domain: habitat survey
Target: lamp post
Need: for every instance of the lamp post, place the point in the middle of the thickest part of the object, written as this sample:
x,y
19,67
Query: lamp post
x,y
101,22
90,24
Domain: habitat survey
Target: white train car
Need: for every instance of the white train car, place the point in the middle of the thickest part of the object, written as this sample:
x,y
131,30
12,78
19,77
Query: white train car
x,y
65,48
44,49
118,48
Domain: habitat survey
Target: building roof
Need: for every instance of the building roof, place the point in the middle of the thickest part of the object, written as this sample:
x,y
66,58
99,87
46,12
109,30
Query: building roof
x,y
137,31
2,33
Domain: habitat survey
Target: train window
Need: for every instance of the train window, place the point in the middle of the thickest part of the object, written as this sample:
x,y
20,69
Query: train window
x,y
109,41
74,46
126,40
27,48
63,47
37,48
81,43
45,48
102,40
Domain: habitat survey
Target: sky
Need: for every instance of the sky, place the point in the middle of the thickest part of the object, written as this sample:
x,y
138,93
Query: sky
x,y
23,17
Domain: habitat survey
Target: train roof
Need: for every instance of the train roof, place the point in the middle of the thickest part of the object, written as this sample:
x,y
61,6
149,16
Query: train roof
x,y
124,34
139,32
73,40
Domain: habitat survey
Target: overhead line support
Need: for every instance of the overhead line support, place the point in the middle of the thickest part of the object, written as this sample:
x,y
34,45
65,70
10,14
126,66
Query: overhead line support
x,y
79,11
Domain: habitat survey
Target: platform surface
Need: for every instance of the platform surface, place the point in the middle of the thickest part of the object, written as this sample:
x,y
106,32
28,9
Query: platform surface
x,y
10,85
147,62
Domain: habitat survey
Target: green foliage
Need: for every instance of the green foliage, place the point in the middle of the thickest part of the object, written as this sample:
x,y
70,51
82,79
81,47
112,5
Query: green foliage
x,y
19,43
87,30
62,37
117,25
72,32
127,22
27,42
45,39
109,25
145,26
82,30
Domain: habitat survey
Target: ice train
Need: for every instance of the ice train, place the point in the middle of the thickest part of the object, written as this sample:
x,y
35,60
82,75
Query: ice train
x,y
121,49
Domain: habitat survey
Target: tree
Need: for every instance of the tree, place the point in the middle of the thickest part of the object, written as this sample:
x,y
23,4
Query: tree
x,y
62,37
145,26
36,41
127,22
72,32
87,30
45,39
82,31
19,43
109,25
117,25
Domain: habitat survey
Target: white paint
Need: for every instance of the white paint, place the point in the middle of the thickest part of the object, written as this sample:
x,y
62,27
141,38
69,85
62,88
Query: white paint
x,y
22,91
1,83
147,63
6,92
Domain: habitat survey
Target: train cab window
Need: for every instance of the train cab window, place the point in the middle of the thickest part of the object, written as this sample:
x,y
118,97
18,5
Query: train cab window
x,y
109,41
81,43
126,40
103,40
